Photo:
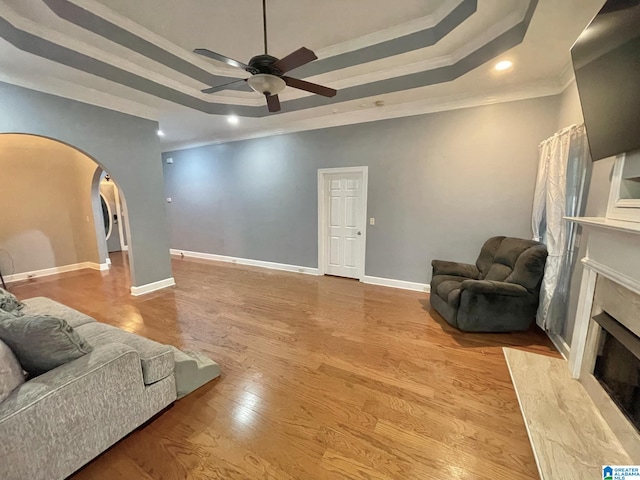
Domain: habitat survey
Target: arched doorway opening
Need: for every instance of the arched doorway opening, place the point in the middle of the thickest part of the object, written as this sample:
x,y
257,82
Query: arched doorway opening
x,y
52,221
125,146
113,213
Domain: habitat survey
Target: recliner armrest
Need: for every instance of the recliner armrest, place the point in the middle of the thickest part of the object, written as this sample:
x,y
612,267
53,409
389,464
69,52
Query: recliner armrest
x,y
442,267
494,288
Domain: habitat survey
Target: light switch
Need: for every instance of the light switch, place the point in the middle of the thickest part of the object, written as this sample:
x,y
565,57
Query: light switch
x,y
169,160
168,199
372,221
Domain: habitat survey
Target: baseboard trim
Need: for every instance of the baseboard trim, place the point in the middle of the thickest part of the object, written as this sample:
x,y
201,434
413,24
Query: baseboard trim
x,y
560,344
45,272
152,287
245,261
402,284
101,266
385,282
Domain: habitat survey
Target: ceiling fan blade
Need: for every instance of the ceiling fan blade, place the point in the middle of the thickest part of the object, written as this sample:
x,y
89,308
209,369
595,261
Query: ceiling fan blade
x,y
221,58
273,102
224,86
310,87
296,59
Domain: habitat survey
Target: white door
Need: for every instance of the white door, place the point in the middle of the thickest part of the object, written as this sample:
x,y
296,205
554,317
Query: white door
x,y
345,224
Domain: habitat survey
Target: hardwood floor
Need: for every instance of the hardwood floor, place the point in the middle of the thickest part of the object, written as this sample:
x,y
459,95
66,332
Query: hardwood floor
x,y
323,378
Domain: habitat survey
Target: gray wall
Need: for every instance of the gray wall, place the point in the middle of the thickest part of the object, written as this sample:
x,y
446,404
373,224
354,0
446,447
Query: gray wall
x,y
126,147
439,186
49,219
570,110
597,197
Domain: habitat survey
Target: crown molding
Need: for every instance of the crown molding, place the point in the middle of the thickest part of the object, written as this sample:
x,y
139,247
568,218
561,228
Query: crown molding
x,y
326,119
108,14
491,33
72,91
412,26
251,102
96,53
454,102
567,75
407,28
241,98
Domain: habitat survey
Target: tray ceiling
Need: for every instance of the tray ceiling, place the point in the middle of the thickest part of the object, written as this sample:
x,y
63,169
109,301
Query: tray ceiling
x,y
139,54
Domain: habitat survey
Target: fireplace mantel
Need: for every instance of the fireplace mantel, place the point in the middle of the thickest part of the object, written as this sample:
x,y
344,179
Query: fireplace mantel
x,y
607,223
613,250
612,254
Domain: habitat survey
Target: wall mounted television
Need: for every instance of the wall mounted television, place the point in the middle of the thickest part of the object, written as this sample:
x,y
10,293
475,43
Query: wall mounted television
x,y
606,60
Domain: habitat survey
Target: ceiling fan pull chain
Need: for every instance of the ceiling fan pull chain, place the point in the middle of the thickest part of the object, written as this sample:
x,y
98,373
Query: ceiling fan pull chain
x,y
264,24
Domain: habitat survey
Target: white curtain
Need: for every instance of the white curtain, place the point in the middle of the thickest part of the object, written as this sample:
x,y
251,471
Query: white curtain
x,y
562,169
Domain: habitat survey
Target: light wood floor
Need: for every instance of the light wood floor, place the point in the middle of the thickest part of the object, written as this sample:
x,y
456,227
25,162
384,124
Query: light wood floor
x,y
323,378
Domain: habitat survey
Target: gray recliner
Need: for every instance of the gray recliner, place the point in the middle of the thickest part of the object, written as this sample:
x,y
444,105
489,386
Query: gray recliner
x,y
499,293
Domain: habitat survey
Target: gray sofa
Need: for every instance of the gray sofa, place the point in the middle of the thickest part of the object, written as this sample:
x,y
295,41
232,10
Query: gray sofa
x,y
499,293
53,424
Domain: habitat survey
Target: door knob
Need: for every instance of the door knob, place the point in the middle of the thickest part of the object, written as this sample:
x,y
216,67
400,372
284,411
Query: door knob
x,y
359,233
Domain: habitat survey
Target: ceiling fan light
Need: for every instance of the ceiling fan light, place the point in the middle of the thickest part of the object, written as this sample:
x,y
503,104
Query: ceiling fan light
x,y
265,83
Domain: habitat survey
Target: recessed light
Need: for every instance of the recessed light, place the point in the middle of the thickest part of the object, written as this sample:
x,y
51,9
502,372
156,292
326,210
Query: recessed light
x,y
233,120
379,103
503,65
160,133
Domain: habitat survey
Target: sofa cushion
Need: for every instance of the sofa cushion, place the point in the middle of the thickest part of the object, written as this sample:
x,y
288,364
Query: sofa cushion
x,y
46,306
487,255
9,302
511,248
498,272
453,298
529,268
436,280
41,342
446,287
156,359
11,376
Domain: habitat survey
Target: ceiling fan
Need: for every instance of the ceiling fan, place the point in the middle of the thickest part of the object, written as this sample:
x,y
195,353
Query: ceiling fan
x,y
267,72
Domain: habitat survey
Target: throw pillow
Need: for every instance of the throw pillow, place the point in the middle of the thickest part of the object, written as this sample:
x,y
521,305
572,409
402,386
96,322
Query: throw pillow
x,y
9,302
41,342
11,376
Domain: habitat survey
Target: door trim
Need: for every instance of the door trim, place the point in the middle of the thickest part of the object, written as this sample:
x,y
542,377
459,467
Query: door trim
x,y
107,235
322,212
116,193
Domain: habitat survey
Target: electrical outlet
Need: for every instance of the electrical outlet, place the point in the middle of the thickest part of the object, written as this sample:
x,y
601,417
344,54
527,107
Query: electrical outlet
x,y
372,221
169,200
169,160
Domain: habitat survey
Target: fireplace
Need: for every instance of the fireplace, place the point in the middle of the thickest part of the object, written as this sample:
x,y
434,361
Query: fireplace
x,y
604,354
617,366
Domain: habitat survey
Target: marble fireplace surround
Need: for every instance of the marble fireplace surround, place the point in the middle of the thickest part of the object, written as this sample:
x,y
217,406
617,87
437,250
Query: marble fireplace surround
x,y
612,263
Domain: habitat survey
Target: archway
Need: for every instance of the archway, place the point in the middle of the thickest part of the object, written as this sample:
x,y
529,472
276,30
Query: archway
x,y
112,201
125,146
55,221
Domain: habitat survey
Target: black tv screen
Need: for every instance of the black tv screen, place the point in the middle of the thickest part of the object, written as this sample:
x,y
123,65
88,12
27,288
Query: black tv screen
x,y
606,59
